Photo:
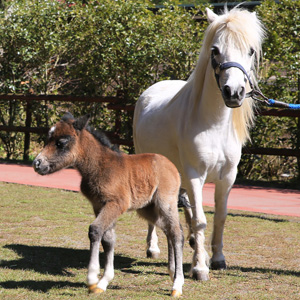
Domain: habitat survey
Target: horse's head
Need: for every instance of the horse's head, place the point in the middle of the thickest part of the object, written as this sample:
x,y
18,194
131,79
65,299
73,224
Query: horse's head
x,y
235,48
61,150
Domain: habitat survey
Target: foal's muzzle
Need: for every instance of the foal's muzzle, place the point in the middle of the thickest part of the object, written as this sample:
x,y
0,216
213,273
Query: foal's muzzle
x,y
41,166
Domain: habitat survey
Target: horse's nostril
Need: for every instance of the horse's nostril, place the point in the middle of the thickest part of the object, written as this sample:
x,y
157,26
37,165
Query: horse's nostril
x,y
227,91
242,91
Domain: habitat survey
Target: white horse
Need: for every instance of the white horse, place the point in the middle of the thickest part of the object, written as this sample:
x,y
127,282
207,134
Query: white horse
x,y
194,124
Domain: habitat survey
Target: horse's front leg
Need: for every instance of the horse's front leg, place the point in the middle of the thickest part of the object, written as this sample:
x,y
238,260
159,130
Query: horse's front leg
x,y
199,269
221,195
152,242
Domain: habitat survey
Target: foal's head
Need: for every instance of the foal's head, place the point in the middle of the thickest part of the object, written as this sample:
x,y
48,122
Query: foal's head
x,y
63,147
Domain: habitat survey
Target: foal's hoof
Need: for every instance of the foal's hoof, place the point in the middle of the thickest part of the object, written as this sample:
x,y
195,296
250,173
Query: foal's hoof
x,y
152,254
175,294
200,275
93,289
218,265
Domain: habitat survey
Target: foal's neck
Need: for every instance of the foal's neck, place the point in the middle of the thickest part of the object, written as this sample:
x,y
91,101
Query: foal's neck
x,y
93,158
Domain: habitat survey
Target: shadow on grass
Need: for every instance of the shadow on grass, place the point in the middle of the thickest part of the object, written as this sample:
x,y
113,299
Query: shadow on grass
x,y
257,216
265,271
40,286
56,261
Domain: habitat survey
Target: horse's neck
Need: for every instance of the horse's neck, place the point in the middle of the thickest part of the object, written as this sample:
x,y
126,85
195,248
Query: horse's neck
x,y
209,107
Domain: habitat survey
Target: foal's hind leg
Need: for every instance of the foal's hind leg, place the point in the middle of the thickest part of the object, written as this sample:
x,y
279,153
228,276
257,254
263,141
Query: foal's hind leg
x,y
173,231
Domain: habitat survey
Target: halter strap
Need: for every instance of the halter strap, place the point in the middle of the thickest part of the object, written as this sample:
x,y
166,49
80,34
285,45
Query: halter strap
x,y
219,67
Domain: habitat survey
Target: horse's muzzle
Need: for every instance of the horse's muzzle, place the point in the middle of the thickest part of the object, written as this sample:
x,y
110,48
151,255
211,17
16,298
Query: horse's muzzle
x,y
233,98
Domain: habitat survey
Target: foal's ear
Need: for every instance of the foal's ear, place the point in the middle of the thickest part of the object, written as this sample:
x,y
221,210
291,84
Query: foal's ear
x,y
211,16
82,122
67,117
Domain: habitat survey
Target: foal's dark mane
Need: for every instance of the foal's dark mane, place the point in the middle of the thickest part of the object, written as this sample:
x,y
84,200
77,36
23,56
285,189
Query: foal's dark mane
x,y
102,138
99,135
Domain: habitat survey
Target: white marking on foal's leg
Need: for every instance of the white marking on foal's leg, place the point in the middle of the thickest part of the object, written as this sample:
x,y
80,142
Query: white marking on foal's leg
x,y
108,242
152,242
94,265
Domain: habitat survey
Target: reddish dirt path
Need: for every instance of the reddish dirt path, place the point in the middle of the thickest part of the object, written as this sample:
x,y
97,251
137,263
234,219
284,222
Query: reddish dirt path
x,y
248,198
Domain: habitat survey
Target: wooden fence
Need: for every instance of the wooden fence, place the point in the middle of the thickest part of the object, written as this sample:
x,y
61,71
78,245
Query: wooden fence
x,y
115,103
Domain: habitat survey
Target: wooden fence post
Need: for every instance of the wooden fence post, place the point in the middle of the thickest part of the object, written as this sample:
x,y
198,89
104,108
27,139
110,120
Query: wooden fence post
x,y
27,133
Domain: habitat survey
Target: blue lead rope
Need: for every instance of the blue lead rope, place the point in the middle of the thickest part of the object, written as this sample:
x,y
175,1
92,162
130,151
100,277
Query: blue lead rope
x,y
275,103
255,94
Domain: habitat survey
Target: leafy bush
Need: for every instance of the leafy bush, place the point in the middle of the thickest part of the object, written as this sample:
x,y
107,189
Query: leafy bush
x,y
120,48
279,79
100,48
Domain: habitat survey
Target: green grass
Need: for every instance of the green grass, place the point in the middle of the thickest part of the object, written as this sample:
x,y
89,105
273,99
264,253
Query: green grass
x,y
44,253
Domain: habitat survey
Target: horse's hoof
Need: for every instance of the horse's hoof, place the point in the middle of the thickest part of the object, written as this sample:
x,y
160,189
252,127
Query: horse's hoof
x,y
175,294
218,265
192,242
93,289
152,254
200,275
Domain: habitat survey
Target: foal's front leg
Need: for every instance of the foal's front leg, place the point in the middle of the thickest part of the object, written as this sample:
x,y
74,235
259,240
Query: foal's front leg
x,y
108,244
95,235
102,229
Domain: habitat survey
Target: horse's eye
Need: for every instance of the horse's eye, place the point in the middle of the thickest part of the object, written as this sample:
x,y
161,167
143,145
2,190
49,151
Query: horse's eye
x,y
215,50
251,52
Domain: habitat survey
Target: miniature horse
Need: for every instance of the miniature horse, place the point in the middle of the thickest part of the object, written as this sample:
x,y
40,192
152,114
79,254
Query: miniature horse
x,y
114,183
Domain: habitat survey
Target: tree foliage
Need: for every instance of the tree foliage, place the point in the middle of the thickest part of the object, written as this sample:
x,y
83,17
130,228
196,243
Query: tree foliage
x,y
97,48
279,80
121,48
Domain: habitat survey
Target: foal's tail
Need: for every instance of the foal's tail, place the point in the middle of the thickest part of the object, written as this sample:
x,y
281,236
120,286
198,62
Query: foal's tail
x,y
183,202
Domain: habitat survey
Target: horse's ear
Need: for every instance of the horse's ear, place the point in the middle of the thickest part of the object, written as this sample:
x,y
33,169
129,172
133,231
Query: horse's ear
x,y
82,122
211,16
67,117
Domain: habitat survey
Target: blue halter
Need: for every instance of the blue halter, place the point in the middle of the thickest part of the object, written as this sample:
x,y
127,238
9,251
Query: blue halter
x,y
218,67
254,94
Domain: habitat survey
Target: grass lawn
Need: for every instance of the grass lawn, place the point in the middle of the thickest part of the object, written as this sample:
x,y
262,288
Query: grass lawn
x,y
44,252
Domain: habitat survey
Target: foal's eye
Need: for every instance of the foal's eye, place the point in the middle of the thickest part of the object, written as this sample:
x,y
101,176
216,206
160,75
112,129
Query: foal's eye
x,y
60,144
215,50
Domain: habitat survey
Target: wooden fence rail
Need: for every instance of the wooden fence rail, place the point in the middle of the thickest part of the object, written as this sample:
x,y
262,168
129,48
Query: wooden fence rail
x,y
115,103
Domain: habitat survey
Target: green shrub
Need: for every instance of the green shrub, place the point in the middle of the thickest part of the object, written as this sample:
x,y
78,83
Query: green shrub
x,y
279,79
100,48
121,48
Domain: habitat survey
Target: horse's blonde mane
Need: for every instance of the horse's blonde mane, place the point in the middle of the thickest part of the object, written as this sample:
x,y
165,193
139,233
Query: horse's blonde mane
x,y
244,30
